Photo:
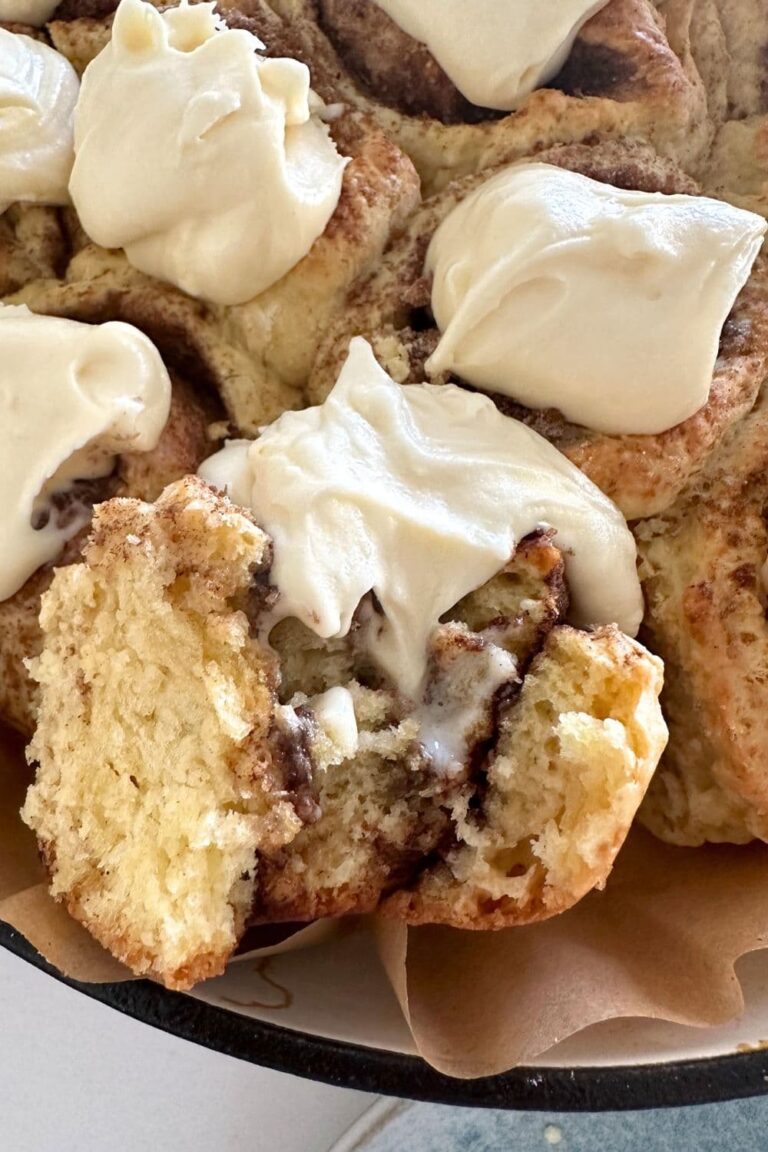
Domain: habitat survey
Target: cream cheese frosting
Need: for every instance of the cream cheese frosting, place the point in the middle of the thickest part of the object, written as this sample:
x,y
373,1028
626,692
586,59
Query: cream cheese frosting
x,y
38,93
33,12
200,158
72,397
419,494
608,305
334,712
495,51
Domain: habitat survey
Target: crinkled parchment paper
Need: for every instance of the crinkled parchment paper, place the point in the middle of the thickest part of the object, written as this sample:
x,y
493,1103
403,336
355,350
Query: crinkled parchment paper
x,y
661,941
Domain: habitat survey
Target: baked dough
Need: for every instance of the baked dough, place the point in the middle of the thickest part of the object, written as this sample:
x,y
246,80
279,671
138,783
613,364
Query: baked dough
x,y
183,444
259,354
32,244
725,42
623,80
576,751
703,572
737,168
32,236
385,810
642,473
208,794
155,785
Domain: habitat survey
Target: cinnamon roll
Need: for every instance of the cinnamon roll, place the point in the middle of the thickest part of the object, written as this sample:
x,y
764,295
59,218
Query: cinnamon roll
x,y
57,520
323,721
703,566
642,472
621,78
259,347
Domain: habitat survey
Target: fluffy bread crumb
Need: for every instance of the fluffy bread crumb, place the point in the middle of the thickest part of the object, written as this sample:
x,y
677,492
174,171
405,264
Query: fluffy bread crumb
x,y
178,797
155,786
576,752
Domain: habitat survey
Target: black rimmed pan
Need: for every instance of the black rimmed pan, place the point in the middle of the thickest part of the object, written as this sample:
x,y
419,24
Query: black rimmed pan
x,y
588,1089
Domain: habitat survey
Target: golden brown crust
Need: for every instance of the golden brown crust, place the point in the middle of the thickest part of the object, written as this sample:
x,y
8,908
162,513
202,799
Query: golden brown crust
x,y
642,474
624,81
702,570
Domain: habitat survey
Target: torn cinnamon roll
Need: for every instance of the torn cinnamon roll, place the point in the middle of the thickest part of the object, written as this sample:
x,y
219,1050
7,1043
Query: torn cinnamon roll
x,y
89,413
389,672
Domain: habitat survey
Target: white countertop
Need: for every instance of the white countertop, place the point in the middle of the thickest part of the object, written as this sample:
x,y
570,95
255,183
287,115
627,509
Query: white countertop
x,y
76,1076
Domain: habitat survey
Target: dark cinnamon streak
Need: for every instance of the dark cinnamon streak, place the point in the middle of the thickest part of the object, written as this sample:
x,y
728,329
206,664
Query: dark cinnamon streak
x,y
291,749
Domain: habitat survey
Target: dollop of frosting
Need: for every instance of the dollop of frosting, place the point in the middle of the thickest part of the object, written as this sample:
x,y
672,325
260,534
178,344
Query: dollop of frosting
x,y
496,52
33,12
334,712
608,305
38,93
72,397
203,160
419,494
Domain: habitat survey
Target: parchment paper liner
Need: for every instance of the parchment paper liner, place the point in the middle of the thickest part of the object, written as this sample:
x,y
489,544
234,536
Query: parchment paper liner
x,y
660,942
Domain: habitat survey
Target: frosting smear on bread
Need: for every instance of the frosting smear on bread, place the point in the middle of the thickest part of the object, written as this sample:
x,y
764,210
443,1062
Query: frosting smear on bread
x,y
565,292
72,397
205,161
495,51
417,495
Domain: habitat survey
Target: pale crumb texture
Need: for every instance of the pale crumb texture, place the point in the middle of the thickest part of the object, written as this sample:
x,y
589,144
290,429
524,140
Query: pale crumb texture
x,y
384,810
576,753
184,791
532,825
155,787
378,819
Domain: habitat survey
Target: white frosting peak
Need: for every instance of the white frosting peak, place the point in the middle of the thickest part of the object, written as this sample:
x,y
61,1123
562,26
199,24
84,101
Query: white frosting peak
x,y
199,157
567,293
38,92
419,494
495,51
72,397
